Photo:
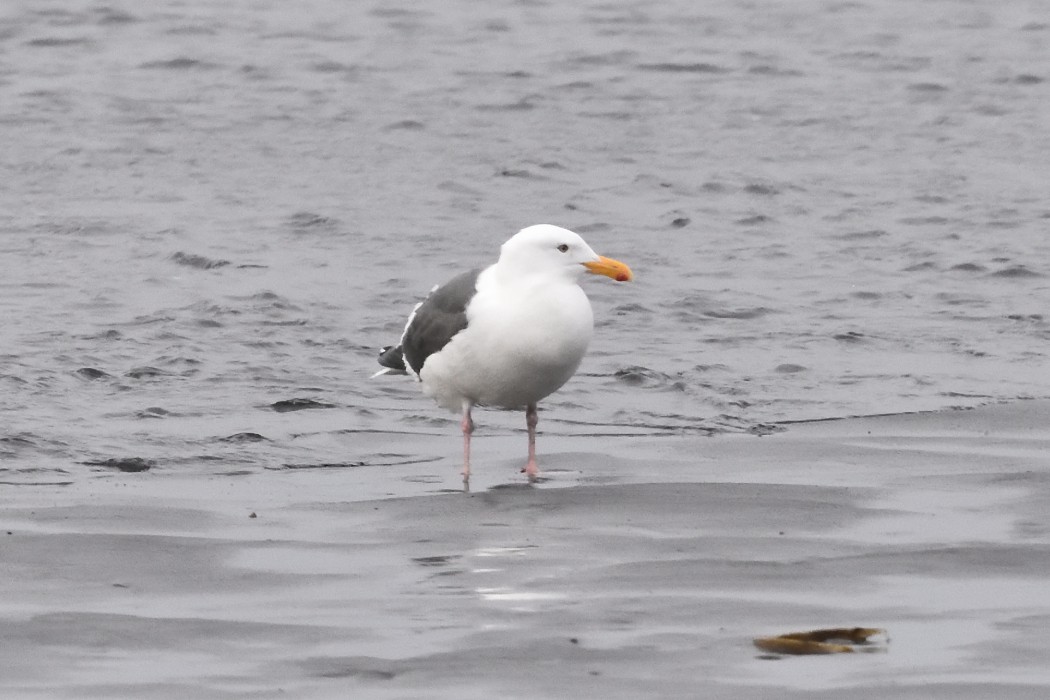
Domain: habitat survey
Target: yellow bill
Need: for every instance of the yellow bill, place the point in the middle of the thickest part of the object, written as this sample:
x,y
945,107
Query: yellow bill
x,y
610,268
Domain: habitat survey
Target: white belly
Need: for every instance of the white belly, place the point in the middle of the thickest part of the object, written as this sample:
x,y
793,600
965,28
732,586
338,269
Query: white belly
x,y
512,355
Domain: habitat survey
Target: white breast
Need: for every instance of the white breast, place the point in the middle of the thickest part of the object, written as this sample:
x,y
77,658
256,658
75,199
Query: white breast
x,y
523,341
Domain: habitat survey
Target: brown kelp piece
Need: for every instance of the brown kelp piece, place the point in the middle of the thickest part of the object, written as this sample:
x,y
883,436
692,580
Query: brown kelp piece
x,y
837,640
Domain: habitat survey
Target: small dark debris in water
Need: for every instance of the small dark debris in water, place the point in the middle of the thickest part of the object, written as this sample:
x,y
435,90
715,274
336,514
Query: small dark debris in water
x,y
244,437
121,585
145,373
198,261
574,640
253,515
763,429
753,220
299,405
514,172
790,368
1025,317
680,222
124,464
90,373
849,337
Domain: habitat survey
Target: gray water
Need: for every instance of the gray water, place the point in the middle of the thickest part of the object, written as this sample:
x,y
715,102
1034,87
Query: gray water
x,y
208,209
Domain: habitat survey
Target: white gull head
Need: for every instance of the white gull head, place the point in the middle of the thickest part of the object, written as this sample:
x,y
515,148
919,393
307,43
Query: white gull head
x,y
547,250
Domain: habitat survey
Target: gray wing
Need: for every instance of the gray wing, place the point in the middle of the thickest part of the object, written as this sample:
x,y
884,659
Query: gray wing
x,y
434,322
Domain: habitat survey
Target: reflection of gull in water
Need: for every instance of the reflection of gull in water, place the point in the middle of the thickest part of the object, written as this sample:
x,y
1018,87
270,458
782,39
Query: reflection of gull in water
x,y
503,551
509,595
506,336
506,594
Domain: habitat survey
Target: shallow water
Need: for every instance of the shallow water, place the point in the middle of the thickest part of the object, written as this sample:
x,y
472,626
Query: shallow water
x,y
832,208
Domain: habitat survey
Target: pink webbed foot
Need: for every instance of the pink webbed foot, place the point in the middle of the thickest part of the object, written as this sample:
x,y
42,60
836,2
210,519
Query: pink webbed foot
x,y
531,470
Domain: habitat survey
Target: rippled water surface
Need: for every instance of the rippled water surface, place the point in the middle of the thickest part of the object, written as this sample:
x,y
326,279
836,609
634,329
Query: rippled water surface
x,y
213,214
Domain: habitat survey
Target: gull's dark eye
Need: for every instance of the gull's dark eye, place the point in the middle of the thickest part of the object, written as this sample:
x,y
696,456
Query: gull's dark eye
x,y
563,248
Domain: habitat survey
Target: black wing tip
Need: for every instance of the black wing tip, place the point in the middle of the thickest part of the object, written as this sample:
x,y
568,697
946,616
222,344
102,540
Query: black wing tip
x,y
392,357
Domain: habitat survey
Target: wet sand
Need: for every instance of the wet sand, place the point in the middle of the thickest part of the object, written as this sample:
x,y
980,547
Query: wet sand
x,y
642,567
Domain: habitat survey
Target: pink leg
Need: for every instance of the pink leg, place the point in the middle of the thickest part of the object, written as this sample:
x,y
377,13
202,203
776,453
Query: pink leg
x,y
468,427
531,419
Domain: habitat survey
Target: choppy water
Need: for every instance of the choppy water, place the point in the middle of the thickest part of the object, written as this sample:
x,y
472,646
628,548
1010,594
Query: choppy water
x,y
208,209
